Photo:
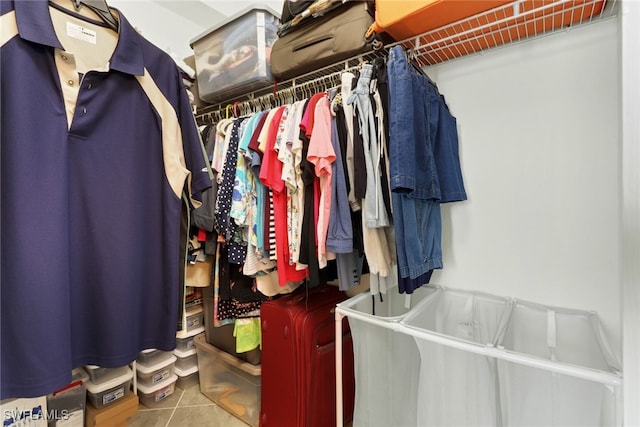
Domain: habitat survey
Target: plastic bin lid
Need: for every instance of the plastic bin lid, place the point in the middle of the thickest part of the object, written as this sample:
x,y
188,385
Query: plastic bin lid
x,y
79,374
167,360
188,334
194,310
186,372
157,386
94,388
232,18
182,353
90,368
79,377
229,359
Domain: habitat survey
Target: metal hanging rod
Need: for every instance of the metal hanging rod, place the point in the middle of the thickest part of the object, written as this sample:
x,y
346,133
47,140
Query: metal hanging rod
x,y
284,92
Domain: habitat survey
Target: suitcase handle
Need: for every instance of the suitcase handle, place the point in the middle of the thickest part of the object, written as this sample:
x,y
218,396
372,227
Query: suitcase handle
x,y
316,40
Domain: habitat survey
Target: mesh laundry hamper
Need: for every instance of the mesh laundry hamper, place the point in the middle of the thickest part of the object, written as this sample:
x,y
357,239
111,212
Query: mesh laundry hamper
x,y
457,387
385,362
532,396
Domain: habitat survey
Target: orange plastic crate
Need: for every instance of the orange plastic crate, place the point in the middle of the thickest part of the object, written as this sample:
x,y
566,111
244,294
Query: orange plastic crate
x,y
452,28
406,18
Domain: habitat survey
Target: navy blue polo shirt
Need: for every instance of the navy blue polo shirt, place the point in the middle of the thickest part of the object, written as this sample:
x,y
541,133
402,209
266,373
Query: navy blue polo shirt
x,y
98,142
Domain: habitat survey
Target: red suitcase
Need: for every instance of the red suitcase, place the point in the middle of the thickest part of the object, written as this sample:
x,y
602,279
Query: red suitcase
x,y
298,360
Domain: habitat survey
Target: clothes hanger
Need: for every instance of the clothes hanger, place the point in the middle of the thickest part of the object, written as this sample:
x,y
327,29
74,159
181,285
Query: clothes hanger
x,y
100,8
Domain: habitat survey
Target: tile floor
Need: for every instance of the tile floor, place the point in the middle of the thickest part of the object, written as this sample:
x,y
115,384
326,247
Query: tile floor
x,y
184,408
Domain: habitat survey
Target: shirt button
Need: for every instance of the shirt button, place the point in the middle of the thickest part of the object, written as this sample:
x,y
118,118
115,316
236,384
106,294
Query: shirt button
x,y
64,57
70,82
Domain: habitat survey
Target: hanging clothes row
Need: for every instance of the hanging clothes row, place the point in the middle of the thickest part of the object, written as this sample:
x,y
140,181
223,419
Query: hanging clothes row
x,y
283,93
339,175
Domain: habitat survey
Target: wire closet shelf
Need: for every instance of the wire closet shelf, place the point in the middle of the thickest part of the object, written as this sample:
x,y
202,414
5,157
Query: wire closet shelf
x,y
514,22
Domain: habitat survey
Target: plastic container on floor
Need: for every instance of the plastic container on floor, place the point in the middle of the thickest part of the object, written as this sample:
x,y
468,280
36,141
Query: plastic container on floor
x,y
186,359
229,381
533,396
98,374
185,344
67,405
106,392
195,318
152,356
457,387
149,375
383,356
187,377
156,393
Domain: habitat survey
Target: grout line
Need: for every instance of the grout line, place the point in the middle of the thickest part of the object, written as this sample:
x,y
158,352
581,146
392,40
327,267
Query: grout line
x,y
147,409
198,405
174,409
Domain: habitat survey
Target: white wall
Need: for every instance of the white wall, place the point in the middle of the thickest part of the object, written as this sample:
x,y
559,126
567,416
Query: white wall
x,y
540,151
171,25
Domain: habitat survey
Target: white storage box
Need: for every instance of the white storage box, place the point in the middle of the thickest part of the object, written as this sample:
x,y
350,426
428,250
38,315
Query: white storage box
x,y
457,387
152,395
383,356
66,406
98,374
229,381
186,343
152,356
234,58
186,359
187,377
534,396
195,319
149,375
106,392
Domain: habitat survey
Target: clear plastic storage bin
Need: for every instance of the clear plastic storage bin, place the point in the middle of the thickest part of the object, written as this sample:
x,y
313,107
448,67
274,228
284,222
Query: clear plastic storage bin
x,y
457,387
151,395
195,318
385,362
66,406
187,377
230,382
186,359
149,375
98,374
535,396
106,392
152,356
234,58
185,344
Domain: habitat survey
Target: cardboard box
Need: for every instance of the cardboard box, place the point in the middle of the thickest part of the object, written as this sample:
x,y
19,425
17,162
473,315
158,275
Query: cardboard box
x,y
115,415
